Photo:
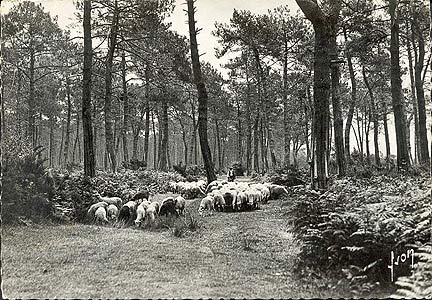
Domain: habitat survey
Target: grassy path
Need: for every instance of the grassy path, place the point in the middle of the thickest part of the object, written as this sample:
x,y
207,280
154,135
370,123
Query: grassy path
x,y
247,254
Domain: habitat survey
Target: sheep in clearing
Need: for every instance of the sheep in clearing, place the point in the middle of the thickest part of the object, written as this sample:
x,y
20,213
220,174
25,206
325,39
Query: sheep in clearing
x,y
276,191
168,207
180,204
110,200
128,211
152,211
94,207
214,185
141,212
218,200
101,215
141,195
112,212
206,204
254,197
241,201
265,192
229,197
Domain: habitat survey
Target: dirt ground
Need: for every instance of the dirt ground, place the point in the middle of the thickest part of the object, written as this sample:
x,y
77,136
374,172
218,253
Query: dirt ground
x,y
235,255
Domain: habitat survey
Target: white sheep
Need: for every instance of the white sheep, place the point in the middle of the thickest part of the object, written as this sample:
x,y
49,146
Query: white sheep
x,y
152,211
254,197
214,188
128,211
229,196
276,190
242,186
180,204
202,184
112,212
94,207
141,212
213,185
218,200
192,189
206,204
110,200
101,215
265,192
241,201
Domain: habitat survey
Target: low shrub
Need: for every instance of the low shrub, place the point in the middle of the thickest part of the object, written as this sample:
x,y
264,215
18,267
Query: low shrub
x,y
134,164
419,284
195,170
353,227
287,176
75,193
27,188
181,169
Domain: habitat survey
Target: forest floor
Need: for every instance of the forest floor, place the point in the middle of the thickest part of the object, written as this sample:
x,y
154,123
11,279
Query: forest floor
x,y
238,255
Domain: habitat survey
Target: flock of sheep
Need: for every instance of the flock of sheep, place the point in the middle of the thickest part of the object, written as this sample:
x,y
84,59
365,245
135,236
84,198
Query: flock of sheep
x,y
137,210
238,196
218,195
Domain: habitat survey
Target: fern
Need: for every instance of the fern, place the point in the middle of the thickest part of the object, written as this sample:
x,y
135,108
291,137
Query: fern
x,y
419,284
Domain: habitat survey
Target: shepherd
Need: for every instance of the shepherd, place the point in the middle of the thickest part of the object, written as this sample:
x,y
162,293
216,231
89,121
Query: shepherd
x,y
231,175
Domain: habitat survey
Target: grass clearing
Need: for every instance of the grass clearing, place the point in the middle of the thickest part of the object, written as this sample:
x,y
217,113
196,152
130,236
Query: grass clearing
x,y
240,255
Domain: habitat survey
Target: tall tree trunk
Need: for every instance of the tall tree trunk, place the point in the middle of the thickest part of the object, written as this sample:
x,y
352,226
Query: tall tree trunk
x,y
77,138
168,157
256,143
60,153
219,149
185,146
358,135
89,146
147,115
239,136
329,137
262,145
403,161
135,140
154,143
321,104
31,100
262,99
324,27
367,129
419,65
295,151
51,141
193,152
223,154
386,133
248,122
214,149
308,105
109,135
430,44
337,110
202,95
125,109
68,122
287,149
287,135
413,96
352,103
373,109
95,134
164,136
